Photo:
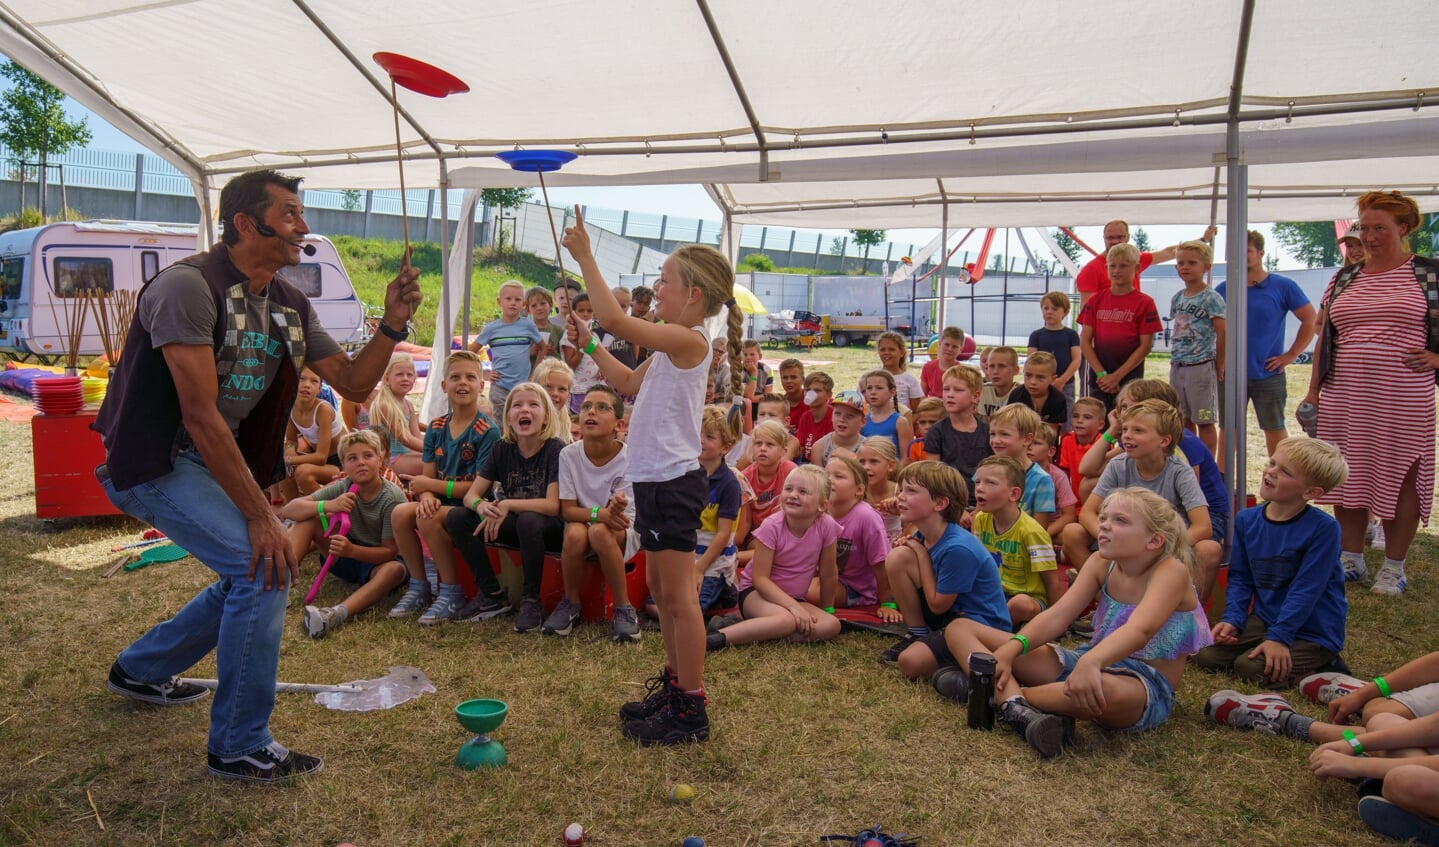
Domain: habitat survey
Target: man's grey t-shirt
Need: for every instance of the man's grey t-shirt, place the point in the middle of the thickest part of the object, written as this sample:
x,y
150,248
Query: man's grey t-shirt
x,y
178,308
1175,483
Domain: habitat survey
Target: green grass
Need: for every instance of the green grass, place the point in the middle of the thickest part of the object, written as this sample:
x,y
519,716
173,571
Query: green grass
x,y
372,263
807,739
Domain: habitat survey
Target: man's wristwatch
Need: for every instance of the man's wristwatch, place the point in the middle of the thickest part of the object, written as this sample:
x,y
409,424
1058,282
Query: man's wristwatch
x,y
395,335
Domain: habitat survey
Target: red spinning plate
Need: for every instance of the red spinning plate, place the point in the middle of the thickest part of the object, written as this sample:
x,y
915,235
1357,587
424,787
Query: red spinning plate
x,y
420,77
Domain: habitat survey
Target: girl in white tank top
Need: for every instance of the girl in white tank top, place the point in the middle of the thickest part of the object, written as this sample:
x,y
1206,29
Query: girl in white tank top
x,y
670,488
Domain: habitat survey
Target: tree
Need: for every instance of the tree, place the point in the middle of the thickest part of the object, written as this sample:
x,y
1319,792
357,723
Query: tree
x,y
34,122
867,238
1271,262
1067,244
1312,242
837,246
504,198
1141,240
352,200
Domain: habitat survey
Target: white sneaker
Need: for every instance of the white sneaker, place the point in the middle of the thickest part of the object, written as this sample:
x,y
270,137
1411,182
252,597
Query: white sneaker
x,y
1324,688
1390,582
1376,539
1354,572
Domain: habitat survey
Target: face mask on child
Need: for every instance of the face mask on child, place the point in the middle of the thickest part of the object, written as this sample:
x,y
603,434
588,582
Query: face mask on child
x,y
810,397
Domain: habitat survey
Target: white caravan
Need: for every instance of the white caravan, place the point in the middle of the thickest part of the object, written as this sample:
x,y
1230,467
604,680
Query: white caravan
x,y
41,269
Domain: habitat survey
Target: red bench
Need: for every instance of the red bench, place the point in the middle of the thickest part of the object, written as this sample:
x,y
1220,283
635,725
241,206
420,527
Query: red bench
x,y
596,601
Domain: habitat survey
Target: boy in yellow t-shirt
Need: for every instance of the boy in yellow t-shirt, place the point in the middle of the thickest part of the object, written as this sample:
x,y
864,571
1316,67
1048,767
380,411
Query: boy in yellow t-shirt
x,y
1021,547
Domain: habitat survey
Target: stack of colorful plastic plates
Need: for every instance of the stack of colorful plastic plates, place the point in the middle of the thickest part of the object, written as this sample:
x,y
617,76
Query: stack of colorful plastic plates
x,y
59,395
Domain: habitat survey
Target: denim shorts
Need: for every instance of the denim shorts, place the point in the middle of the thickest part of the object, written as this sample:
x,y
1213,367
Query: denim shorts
x,y
1218,526
1269,395
1158,693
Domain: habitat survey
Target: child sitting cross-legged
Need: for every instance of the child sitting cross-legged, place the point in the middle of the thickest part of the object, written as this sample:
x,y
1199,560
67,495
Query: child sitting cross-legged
x,y
525,465
1286,562
792,547
940,573
1147,622
595,505
367,555
715,551
862,546
1020,546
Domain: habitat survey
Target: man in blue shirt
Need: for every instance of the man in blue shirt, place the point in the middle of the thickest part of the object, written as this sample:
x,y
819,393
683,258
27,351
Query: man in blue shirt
x,y
1270,297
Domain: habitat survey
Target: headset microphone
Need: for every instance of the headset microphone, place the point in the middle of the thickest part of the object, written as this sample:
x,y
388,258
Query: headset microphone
x,y
269,232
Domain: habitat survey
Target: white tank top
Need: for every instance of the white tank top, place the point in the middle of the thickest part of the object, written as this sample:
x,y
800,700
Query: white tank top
x,y
311,433
664,437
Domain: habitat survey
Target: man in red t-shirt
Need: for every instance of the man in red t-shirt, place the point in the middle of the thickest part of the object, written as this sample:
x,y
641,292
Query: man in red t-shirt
x,y
817,421
1094,276
1118,328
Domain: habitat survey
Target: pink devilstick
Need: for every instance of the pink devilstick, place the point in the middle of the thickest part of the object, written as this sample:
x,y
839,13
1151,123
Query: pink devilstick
x,y
339,526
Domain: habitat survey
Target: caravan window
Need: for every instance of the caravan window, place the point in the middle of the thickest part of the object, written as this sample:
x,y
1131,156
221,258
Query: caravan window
x,y
304,276
11,274
149,265
75,274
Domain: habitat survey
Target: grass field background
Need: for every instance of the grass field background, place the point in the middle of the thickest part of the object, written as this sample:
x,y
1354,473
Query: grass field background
x,y
807,739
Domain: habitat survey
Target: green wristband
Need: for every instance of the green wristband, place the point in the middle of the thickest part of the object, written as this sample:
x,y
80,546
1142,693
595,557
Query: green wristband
x,y
324,521
475,504
1023,643
1103,374
590,348
1383,686
1354,742
894,606
829,610
594,514
450,489
1107,437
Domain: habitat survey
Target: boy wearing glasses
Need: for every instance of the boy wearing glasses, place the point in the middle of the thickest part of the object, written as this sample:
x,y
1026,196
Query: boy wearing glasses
x,y
596,505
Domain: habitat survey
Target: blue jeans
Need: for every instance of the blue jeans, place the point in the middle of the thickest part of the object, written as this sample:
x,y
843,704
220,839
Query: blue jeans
x,y
234,616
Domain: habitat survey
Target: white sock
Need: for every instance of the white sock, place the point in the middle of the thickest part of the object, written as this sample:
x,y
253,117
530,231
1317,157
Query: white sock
x,y
343,612
1394,565
1355,559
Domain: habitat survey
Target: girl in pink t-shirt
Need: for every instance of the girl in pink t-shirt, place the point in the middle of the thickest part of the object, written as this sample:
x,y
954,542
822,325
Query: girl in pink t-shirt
x,y
862,546
792,547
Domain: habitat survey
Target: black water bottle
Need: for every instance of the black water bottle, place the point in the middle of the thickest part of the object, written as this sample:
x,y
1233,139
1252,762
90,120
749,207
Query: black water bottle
x,y
981,691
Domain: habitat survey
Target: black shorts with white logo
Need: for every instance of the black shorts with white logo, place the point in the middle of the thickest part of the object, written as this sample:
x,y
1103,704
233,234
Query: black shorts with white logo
x,y
667,514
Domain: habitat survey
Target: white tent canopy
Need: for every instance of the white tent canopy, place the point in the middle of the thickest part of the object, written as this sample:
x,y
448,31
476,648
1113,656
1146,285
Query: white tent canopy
x,y
1105,104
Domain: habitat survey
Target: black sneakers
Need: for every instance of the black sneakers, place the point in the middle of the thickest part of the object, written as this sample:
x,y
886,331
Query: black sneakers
x,y
681,720
271,765
657,698
891,656
1047,733
952,683
715,641
167,693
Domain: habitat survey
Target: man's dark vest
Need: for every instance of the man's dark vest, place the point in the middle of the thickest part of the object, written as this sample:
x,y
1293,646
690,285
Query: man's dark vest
x,y
140,420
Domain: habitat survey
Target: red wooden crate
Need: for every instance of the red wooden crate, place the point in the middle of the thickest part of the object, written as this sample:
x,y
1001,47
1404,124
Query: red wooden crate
x,y
66,452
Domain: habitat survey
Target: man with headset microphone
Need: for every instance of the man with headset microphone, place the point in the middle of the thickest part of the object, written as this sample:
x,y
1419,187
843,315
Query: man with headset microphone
x,y
194,424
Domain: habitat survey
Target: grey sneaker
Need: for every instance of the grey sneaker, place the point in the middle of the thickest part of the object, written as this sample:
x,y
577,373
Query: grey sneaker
x,y
485,606
561,620
625,624
320,622
531,613
415,599
444,609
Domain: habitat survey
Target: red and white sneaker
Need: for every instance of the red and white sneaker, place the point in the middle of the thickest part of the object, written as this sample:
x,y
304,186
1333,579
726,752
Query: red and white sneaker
x,y
1263,713
1323,688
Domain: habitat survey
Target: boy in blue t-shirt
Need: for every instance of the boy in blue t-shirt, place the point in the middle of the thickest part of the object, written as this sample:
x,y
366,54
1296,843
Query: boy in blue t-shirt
x,y
513,340
941,572
1286,561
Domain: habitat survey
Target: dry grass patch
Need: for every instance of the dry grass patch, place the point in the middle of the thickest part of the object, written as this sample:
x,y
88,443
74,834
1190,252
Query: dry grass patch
x,y
807,739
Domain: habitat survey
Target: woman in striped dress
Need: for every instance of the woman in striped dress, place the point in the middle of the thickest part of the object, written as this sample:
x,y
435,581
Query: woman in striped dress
x,y
1380,323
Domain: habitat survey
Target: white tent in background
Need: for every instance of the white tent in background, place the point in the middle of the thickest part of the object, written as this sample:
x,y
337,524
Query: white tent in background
x,y
817,113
